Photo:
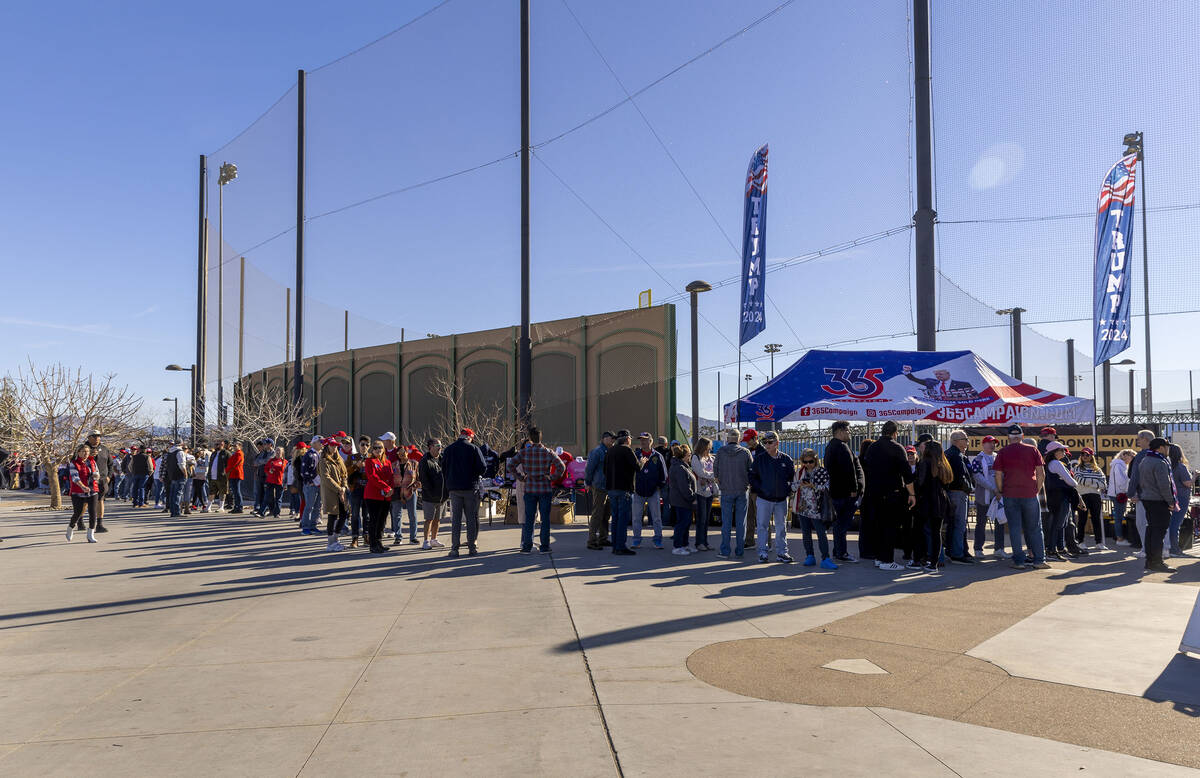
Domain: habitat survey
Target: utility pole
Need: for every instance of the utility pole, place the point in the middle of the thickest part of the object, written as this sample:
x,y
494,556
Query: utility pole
x,y
198,379
925,217
524,345
298,362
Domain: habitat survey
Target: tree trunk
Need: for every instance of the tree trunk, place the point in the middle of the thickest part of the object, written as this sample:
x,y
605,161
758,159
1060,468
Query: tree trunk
x,y
55,490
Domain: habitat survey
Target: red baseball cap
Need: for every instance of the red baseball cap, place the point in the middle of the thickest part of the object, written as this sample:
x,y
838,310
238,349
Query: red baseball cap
x,y
340,434
1049,431
301,444
911,450
749,435
467,432
1088,451
989,439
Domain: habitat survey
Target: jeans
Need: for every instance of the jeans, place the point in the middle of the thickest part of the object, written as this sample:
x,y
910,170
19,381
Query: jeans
x,y
809,525
733,519
464,503
156,492
1060,506
1025,525
620,503
703,512
767,510
274,493
356,512
312,508
119,486
200,493
683,525
1158,519
843,514
655,505
138,490
1176,522
260,494
174,495
982,503
598,523
958,532
187,494
376,515
1139,513
398,508
533,504
235,492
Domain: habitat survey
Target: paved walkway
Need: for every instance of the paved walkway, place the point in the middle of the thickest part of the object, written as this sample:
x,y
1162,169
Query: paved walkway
x,y
229,645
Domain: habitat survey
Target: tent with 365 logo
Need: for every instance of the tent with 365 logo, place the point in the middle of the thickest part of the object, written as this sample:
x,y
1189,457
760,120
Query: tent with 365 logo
x,y
951,387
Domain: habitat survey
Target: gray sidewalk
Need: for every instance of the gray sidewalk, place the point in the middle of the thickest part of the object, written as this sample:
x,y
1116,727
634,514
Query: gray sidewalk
x,y
230,645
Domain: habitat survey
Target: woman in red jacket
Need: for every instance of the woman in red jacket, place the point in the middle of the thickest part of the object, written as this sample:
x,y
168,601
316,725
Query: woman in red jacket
x,y
235,472
84,481
274,470
376,495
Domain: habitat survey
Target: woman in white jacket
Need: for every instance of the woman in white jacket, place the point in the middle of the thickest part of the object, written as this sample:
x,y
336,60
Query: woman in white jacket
x,y
1118,486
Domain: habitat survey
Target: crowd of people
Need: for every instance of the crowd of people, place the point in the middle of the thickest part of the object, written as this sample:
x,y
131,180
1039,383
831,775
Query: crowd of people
x,y
913,501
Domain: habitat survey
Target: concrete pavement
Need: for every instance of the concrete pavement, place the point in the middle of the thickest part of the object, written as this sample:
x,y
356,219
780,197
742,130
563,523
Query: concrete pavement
x,y
231,645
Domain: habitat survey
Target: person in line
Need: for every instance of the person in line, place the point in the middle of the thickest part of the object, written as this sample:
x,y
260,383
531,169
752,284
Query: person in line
x,y
310,487
433,492
594,476
174,471
935,506
235,473
377,492
264,453
539,468
1118,495
1158,499
731,466
982,467
103,459
404,482
620,472
958,489
647,490
356,483
771,478
864,534
139,472
846,483
200,480
1092,485
664,450
1181,472
84,483
332,472
704,468
889,496
218,480
814,506
681,494
1062,496
1139,511
463,465
1020,473
1047,436
274,471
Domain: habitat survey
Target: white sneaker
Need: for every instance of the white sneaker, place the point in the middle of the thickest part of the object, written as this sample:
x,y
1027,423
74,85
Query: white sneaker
x,y
426,546
91,535
337,547
70,532
891,567
691,549
437,543
680,551
1099,547
1140,555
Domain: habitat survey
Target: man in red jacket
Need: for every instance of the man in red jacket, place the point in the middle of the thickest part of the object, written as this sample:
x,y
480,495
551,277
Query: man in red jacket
x,y
235,471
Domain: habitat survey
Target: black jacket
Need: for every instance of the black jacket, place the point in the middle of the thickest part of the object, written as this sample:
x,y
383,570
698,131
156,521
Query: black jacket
x,y
433,482
463,464
845,472
962,479
139,463
771,477
103,458
885,466
620,467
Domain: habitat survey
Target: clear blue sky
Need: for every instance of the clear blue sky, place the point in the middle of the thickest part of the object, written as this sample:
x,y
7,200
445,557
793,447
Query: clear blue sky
x,y
106,112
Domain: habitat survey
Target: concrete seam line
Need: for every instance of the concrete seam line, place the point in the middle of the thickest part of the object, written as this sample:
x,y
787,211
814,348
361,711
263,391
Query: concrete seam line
x,y
612,747
915,743
358,680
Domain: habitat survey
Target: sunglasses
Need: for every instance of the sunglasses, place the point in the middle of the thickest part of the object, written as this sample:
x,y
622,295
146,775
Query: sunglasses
x,y
808,461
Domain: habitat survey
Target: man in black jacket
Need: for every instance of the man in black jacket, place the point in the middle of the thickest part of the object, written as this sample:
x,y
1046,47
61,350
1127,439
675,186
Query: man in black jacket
x,y
889,484
140,469
845,485
103,458
620,469
463,465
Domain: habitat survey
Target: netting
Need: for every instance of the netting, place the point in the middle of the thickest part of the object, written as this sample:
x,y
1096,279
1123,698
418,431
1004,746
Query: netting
x,y
641,134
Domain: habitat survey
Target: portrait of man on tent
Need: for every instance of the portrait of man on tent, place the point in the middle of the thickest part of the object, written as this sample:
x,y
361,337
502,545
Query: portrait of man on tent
x,y
941,386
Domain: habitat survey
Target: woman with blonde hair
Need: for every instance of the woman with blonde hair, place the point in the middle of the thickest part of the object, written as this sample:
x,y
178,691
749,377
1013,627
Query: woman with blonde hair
x,y
933,504
332,473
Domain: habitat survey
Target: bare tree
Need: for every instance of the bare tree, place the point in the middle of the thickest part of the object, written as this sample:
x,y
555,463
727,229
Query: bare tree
x,y
50,410
269,413
494,424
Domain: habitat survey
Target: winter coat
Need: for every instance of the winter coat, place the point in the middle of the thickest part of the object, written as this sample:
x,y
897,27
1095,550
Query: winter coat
x,y
771,477
463,464
845,471
433,482
333,482
681,486
652,473
731,465
234,467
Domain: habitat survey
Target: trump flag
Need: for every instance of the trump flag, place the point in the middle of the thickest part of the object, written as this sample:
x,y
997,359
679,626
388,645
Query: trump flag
x,y
1114,236
754,248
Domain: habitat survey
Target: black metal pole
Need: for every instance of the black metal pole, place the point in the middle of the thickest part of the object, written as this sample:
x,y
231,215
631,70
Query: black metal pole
x,y
924,218
1016,342
176,438
1146,277
298,361
1107,391
524,346
695,375
201,302
1071,366
1132,406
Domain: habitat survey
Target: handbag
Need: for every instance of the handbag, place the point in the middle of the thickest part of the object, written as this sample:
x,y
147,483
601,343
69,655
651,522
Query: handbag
x,y
995,511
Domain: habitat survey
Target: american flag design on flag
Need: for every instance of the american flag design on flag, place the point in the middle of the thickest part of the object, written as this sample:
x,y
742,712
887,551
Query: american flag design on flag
x,y
1119,185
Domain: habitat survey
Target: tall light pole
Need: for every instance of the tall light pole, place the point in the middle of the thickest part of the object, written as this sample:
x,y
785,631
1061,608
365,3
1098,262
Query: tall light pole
x,y
1132,406
228,172
925,217
199,379
773,349
1135,143
192,370
1071,367
524,344
748,377
1015,313
176,401
694,289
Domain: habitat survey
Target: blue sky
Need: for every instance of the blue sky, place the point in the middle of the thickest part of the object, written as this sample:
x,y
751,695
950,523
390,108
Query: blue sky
x,y
107,111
